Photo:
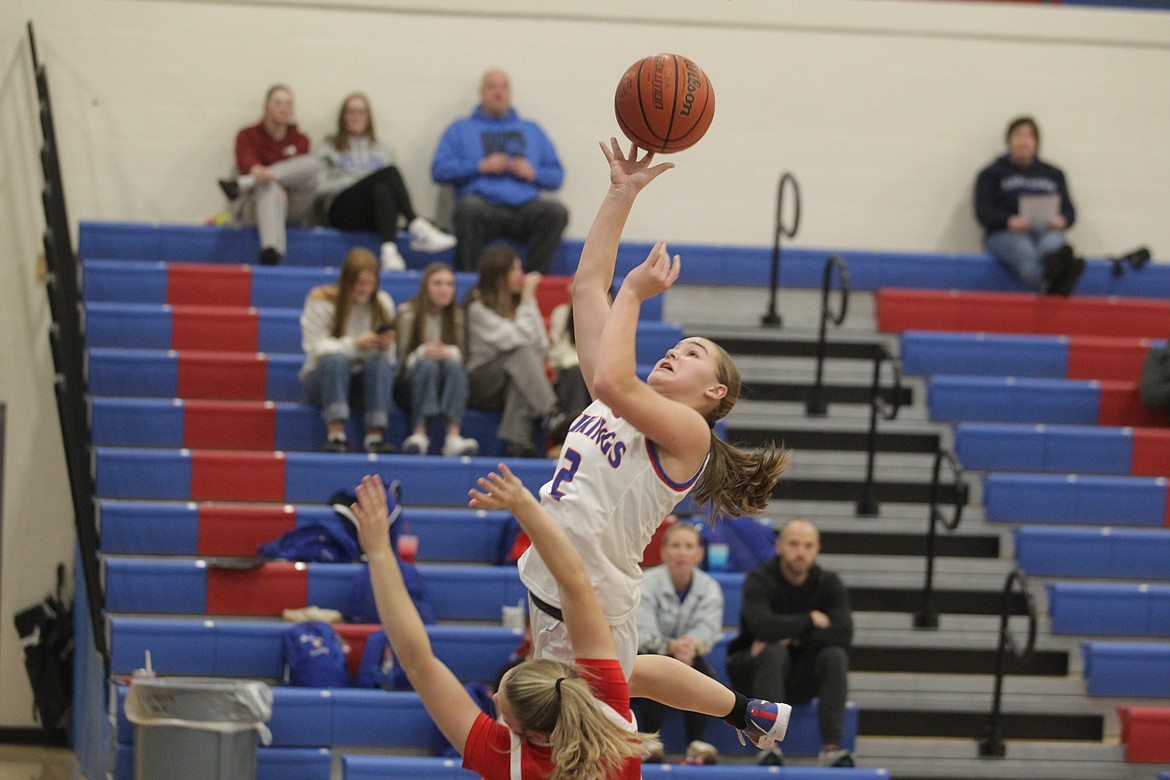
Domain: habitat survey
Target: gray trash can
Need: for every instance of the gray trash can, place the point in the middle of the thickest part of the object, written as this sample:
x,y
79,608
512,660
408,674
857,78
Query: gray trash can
x,y
197,729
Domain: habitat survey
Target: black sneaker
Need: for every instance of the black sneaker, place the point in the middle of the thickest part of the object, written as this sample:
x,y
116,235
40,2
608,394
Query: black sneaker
x,y
336,445
770,757
230,187
269,256
1056,266
1068,281
841,759
380,447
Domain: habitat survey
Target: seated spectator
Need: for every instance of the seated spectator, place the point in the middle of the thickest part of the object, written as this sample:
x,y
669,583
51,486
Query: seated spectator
x,y
568,382
1036,253
506,351
680,615
277,175
498,164
347,332
1155,381
795,629
432,337
361,189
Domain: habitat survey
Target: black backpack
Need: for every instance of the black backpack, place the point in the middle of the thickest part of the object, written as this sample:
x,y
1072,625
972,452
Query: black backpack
x,y
46,632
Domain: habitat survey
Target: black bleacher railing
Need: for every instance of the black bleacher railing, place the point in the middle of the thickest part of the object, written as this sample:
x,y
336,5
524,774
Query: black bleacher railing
x,y
816,406
993,746
68,348
926,616
883,403
787,184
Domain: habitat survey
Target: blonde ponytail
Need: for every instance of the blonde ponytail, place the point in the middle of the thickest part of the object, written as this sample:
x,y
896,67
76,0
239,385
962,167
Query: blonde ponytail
x,y
550,697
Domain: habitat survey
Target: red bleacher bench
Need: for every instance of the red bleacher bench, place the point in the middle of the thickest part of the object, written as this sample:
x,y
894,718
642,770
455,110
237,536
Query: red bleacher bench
x,y
1145,732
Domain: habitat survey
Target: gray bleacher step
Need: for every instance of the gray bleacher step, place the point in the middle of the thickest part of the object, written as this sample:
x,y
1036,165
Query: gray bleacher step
x,y
958,759
712,307
805,433
894,516
857,413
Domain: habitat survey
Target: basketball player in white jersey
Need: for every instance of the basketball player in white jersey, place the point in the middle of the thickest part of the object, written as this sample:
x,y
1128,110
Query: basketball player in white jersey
x,y
639,449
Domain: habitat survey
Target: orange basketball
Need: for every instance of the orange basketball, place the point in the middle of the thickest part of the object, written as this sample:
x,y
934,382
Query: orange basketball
x,y
664,103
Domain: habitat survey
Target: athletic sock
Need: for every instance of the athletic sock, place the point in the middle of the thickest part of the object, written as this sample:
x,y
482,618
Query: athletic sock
x,y
738,715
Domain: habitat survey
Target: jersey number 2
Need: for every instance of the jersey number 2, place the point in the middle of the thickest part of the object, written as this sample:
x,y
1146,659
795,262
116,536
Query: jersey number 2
x,y
566,474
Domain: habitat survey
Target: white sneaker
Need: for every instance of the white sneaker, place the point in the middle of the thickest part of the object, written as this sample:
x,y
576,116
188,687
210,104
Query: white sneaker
x,y
457,445
416,444
392,258
425,237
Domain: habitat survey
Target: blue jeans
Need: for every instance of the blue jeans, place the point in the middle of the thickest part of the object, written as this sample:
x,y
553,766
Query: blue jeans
x,y
437,387
1022,252
328,386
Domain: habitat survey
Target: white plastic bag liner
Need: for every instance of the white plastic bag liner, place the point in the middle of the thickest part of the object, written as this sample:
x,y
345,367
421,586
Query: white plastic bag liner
x,y
223,706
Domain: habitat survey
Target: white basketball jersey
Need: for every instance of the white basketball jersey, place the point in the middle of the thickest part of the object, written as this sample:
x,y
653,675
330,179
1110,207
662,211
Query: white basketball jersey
x,y
609,493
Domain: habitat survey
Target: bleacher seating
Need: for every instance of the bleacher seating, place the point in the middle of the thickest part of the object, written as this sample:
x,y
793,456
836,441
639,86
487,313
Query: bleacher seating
x,y
1145,732
703,264
310,477
1135,669
204,449
1049,498
206,284
412,768
1063,448
1079,315
240,329
1109,609
1048,357
231,529
202,587
1061,551
1025,400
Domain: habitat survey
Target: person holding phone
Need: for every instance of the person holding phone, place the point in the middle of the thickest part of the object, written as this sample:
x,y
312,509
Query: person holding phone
x,y
347,333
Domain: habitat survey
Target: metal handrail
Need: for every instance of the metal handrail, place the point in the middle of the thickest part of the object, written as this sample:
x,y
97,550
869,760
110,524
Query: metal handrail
x,y
993,746
67,346
816,406
787,181
927,617
867,506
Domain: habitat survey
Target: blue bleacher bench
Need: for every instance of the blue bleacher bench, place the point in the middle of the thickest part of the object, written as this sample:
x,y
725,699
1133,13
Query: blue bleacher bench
x,y
415,768
1136,669
1065,449
702,264
1049,498
1060,551
1109,608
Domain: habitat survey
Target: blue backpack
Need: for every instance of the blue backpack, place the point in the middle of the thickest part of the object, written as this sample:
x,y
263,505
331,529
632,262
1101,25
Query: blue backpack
x,y
334,539
379,666
314,656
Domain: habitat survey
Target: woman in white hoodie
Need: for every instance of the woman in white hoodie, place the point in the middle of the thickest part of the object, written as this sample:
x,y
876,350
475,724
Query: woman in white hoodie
x,y
361,189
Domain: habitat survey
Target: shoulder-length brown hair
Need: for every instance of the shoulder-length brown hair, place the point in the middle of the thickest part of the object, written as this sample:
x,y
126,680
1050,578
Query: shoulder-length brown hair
x,y
451,329
494,267
356,261
736,482
340,139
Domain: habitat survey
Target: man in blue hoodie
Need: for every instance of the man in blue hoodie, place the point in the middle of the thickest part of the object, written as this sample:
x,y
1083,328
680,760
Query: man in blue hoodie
x,y
498,164
1036,253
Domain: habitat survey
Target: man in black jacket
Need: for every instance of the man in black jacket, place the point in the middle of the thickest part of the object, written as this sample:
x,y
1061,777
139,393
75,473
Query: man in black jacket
x,y
795,629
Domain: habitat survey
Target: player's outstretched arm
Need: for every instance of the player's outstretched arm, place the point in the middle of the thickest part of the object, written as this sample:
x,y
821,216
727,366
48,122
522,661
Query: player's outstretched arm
x,y
594,277
454,712
588,630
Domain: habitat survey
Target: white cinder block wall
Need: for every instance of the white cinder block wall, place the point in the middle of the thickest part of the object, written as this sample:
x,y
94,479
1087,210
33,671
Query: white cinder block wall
x,y
884,109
